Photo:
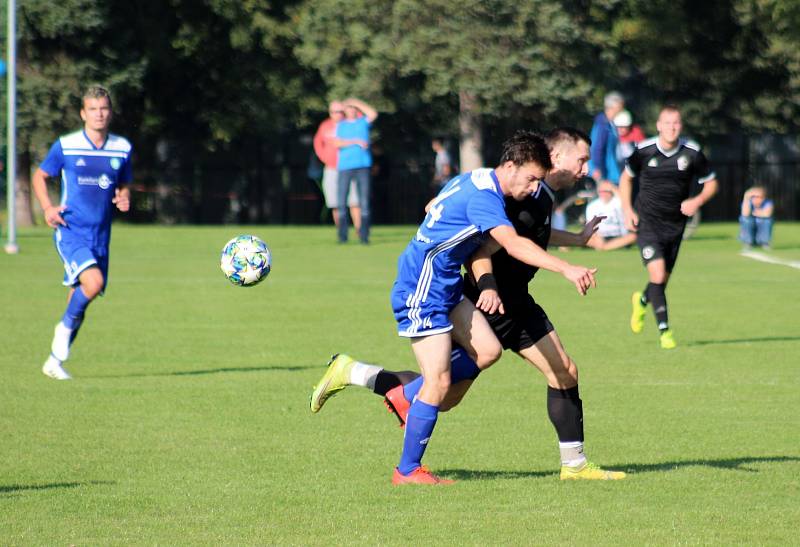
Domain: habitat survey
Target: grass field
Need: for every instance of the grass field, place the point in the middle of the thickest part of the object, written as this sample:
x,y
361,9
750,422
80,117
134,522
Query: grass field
x,y
188,420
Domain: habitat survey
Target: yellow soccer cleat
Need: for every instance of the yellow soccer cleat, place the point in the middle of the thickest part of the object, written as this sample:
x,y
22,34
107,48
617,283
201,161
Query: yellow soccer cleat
x,y
335,379
638,312
667,340
589,472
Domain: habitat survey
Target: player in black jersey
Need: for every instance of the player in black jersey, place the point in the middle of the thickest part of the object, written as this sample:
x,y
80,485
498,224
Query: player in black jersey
x,y
524,326
667,167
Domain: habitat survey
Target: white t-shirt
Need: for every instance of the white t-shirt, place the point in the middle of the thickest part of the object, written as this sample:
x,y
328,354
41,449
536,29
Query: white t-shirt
x,y
614,223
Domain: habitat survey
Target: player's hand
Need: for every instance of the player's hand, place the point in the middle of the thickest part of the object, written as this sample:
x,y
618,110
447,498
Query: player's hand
x,y
52,215
489,302
581,277
122,199
591,228
689,207
631,221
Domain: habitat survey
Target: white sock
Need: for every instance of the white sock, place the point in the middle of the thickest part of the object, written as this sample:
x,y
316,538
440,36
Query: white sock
x,y
52,362
572,454
363,374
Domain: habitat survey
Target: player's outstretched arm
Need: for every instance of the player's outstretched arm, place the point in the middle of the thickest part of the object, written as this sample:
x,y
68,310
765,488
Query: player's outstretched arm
x,y
52,213
527,251
562,238
479,266
625,192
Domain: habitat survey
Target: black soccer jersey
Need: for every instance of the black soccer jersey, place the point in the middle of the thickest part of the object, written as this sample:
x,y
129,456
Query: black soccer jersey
x,y
531,219
666,178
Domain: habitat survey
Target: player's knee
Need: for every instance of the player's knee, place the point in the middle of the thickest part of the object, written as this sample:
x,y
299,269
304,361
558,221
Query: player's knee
x,y
438,386
565,375
91,285
489,355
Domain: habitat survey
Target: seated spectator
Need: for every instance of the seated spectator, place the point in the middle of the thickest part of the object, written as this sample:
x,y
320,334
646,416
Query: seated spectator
x,y
611,233
755,222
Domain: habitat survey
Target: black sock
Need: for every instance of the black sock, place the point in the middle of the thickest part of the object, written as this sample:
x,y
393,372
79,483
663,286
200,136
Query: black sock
x,y
388,379
565,409
645,295
659,300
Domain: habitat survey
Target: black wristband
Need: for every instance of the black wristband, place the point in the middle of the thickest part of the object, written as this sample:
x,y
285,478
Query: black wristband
x,y
487,281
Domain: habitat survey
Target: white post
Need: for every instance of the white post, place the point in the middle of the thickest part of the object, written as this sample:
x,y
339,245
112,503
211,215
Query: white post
x,y
11,146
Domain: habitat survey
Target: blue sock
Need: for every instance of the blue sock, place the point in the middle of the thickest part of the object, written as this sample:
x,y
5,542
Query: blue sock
x,y
462,367
419,427
75,330
75,309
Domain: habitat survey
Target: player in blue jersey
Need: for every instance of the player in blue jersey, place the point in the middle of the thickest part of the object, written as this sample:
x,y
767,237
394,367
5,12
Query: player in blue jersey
x,y
520,324
427,294
94,167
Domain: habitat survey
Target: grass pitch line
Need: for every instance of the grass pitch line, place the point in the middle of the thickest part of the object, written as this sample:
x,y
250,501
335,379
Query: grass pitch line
x,y
762,257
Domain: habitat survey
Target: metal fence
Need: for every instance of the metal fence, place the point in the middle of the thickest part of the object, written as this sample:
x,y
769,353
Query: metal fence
x,y
285,192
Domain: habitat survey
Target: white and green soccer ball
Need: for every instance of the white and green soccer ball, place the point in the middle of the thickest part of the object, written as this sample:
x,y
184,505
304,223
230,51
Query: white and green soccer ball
x,y
245,260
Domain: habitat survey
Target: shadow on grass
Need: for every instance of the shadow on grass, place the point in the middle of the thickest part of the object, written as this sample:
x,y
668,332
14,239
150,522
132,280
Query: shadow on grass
x,y
11,488
203,372
744,340
735,464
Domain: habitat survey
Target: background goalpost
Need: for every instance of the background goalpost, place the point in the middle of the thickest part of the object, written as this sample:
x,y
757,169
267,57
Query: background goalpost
x,y
11,147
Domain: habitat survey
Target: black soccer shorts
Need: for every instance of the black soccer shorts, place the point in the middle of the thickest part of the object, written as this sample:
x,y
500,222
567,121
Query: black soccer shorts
x,y
654,244
525,324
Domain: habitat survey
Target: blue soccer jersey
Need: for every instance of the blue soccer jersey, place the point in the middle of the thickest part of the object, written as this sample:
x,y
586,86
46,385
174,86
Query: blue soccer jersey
x,y
89,176
428,284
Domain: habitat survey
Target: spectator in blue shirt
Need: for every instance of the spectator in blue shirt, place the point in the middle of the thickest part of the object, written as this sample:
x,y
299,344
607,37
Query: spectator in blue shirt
x,y
755,222
355,160
604,164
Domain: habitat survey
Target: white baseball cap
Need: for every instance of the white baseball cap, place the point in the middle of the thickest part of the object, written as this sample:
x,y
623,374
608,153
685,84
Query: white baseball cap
x,y
623,119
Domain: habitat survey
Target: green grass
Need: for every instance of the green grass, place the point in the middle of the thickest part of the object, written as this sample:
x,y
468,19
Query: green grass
x,y
188,420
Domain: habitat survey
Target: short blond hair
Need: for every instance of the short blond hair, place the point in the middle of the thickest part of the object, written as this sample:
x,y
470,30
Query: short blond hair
x,y
96,92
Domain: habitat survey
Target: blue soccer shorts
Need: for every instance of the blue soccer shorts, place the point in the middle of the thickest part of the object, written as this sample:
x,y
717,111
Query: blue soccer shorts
x,y
416,319
78,255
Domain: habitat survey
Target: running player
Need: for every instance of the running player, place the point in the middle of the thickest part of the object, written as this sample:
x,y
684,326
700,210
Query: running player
x,y
521,324
94,167
667,166
427,294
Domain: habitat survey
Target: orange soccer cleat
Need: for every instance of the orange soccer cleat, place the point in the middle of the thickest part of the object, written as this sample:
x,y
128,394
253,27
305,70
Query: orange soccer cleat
x,y
397,404
420,475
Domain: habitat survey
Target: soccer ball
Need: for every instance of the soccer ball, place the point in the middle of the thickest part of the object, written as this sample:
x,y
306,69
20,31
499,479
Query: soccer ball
x,y
245,260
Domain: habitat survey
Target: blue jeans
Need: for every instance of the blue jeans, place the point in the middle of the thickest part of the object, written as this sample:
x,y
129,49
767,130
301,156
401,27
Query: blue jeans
x,y
755,230
361,177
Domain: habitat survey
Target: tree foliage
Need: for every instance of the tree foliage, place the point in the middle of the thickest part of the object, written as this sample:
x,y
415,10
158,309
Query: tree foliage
x,y
210,77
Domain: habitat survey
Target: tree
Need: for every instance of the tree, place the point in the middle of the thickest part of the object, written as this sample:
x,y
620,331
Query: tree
x,y
536,60
61,47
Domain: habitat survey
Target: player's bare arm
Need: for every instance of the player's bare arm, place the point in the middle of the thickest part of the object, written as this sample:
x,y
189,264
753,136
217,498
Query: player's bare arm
x,y
690,206
563,238
480,265
625,192
528,252
52,213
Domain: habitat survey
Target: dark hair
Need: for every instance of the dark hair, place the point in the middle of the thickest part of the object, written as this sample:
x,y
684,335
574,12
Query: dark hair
x,y
526,147
566,134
